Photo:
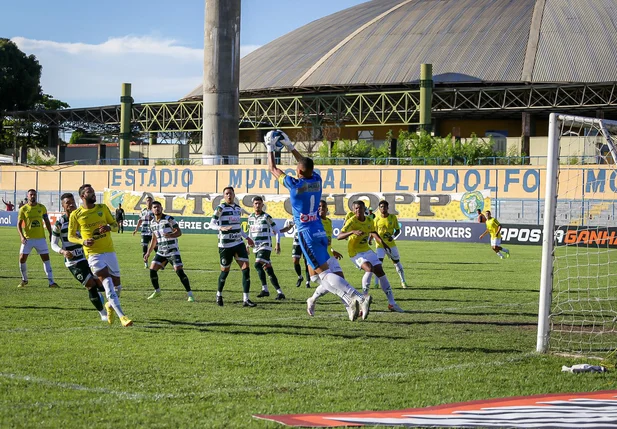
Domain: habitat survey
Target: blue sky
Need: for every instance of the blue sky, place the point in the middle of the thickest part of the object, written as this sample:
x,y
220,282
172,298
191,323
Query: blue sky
x,y
88,48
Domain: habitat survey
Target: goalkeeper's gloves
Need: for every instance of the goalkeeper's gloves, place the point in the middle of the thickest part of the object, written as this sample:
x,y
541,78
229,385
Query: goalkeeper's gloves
x,y
269,141
286,142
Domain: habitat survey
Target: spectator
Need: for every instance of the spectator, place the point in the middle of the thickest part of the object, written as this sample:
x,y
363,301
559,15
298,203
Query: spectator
x,y
9,205
481,218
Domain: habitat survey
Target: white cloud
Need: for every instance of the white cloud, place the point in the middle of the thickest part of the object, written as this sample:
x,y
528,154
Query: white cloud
x,y
85,74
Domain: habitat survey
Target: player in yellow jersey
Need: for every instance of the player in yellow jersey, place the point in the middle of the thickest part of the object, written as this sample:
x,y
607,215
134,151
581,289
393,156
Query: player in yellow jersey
x,y
90,225
30,221
335,256
358,230
387,227
493,227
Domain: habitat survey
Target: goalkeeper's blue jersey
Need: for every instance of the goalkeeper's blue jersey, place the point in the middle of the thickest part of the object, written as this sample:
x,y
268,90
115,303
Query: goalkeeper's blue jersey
x,y
305,195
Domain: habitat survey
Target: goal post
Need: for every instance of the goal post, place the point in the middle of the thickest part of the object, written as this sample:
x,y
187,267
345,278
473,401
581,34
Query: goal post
x,y
578,281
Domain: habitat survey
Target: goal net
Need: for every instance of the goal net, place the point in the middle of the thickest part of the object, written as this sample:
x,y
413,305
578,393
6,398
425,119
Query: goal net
x,y
578,290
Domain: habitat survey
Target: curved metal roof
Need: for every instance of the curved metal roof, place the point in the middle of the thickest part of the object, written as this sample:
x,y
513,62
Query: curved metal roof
x,y
383,43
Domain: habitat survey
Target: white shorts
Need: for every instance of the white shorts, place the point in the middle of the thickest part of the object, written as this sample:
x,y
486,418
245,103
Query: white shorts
x,y
102,260
38,244
394,255
334,266
495,242
368,256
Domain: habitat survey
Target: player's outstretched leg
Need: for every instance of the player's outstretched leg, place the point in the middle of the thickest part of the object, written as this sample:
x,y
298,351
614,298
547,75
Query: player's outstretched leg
x,y
185,282
275,282
341,288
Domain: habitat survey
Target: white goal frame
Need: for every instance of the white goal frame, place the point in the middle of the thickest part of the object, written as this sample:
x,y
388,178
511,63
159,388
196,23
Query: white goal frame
x,y
556,121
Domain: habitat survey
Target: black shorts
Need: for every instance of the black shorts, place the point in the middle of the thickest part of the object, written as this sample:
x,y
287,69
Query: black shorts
x,y
145,239
175,260
227,254
263,256
81,271
296,251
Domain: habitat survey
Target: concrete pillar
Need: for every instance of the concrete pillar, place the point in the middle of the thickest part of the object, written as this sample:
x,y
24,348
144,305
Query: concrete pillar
x,y
221,81
52,137
394,151
426,96
126,107
60,153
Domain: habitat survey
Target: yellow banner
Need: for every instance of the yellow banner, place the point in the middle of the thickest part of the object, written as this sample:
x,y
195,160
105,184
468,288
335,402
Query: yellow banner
x,y
445,206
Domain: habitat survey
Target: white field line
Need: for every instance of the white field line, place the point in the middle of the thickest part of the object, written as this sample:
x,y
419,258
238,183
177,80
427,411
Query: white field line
x,y
79,387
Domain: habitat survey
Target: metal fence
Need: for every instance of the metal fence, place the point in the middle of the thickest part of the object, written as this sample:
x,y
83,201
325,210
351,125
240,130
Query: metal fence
x,y
260,158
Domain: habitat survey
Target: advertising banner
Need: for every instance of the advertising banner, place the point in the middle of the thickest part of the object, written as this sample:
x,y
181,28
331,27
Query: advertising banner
x,y
8,218
406,205
605,237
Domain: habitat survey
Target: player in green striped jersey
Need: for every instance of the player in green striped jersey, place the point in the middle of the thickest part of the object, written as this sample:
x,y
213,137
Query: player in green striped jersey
x,y
165,233
261,229
227,221
74,255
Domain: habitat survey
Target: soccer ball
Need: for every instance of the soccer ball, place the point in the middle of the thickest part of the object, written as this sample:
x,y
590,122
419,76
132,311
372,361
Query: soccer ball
x,y
279,143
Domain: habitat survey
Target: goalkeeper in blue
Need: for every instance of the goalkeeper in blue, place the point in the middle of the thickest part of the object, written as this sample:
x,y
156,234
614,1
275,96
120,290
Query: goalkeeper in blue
x,y
305,195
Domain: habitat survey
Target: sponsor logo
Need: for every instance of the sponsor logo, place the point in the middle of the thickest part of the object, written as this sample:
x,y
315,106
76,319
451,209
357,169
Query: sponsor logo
x,y
5,220
521,235
310,217
587,237
35,224
564,235
437,231
581,410
471,202
100,214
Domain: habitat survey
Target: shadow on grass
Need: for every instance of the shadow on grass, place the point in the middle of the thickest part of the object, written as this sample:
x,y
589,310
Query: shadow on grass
x,y
490,289
46,308
476,350
520,324
311,331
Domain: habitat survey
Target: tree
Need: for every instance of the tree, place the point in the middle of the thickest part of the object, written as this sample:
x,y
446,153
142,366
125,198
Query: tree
x,y
80,136
20,78
48,102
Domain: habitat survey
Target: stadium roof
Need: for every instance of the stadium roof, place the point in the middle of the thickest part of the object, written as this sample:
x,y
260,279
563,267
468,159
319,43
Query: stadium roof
x,y
383,42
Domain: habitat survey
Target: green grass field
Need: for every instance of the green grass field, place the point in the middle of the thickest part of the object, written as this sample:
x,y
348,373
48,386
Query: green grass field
x,y
469,333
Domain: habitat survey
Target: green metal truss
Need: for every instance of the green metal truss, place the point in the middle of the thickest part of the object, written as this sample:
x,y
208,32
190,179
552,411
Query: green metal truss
x,y
352,109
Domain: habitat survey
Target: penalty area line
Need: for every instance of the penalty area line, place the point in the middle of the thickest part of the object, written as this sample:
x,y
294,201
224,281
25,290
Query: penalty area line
x,y
79,387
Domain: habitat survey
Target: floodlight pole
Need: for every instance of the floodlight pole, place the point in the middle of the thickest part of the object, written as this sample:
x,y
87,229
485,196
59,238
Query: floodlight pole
x,y
221,96
126,107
